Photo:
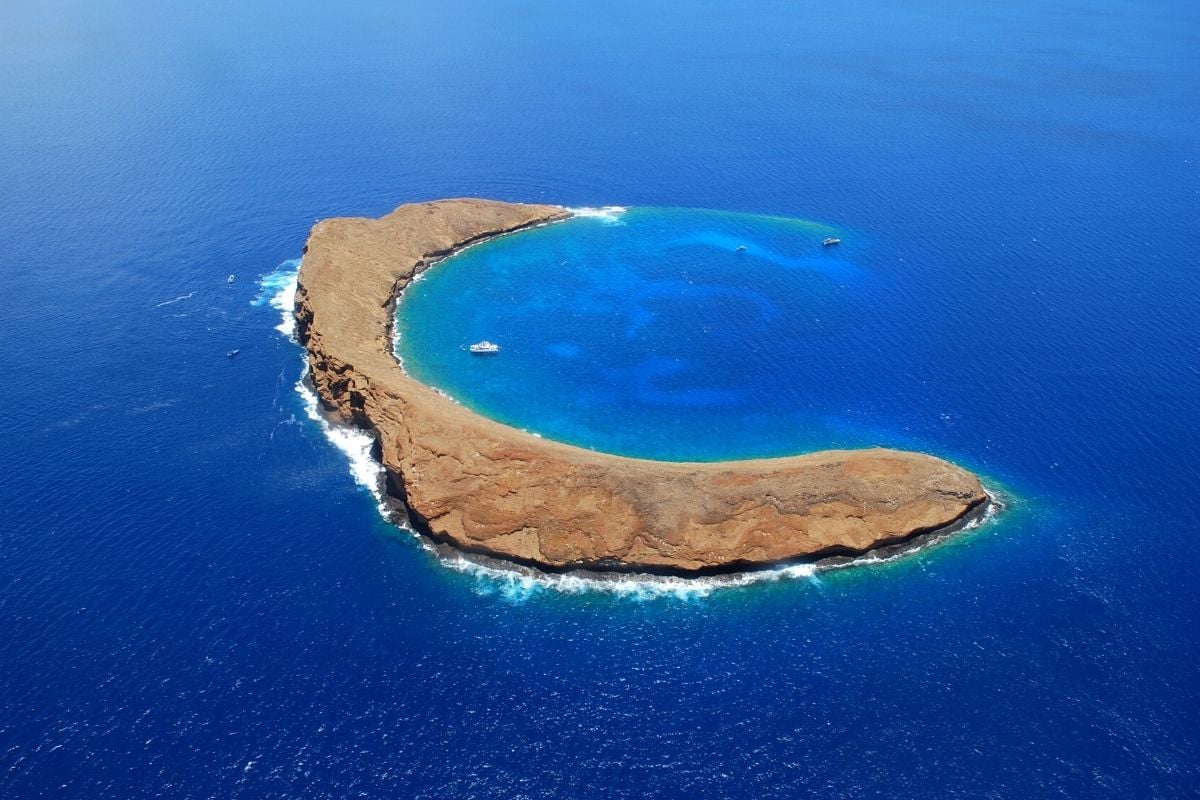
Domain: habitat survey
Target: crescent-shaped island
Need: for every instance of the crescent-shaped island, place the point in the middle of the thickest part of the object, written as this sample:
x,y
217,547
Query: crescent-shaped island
x,y
492,490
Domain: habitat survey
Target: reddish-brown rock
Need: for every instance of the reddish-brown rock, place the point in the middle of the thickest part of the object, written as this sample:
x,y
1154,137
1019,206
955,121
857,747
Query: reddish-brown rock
x,y
491,489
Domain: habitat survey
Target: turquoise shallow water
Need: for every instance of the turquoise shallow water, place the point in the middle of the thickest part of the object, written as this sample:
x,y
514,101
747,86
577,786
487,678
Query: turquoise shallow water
x,y
665,333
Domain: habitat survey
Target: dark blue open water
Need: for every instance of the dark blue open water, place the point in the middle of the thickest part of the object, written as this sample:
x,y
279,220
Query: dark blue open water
x,y
197,600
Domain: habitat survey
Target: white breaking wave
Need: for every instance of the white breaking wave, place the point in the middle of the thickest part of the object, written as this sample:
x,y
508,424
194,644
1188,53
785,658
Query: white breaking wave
x,y
278,289
609,214
518,585
355,444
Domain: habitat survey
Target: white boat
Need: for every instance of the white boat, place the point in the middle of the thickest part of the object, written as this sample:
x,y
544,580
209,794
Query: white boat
x,y
831,241
485,347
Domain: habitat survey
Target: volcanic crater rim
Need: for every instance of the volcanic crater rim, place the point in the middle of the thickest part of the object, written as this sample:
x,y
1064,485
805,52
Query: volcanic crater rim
x,y
499,492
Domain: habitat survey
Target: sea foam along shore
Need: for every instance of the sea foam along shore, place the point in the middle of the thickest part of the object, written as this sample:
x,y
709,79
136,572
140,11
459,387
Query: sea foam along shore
x,y
278,290
514,583
609,214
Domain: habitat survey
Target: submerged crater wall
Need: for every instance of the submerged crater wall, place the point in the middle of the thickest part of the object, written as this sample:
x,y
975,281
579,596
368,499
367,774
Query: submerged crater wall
x,y
490,489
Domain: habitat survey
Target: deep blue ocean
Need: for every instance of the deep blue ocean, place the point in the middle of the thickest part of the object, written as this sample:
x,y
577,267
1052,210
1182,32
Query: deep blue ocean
x,y
198,599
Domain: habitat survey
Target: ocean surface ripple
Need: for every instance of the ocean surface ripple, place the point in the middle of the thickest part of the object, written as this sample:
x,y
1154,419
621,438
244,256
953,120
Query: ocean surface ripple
x,y
201,599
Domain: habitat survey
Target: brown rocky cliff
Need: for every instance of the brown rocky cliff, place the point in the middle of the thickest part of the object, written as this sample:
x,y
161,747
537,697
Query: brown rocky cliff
x,y
491,489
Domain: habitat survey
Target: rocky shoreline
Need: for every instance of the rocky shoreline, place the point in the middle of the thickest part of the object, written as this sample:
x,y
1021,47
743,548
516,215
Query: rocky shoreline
x,y
495,491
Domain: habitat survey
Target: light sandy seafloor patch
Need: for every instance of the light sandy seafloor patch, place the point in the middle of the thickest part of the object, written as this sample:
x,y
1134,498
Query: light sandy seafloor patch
x,y
278,290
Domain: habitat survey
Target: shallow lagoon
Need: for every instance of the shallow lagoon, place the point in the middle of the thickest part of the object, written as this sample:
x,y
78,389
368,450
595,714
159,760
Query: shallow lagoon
x,y
663,333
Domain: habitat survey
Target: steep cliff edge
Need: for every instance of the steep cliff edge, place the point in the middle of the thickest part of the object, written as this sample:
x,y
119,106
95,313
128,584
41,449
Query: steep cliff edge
x,y
491,489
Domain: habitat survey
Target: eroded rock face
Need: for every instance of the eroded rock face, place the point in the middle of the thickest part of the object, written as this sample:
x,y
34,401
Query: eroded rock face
x,y
491,489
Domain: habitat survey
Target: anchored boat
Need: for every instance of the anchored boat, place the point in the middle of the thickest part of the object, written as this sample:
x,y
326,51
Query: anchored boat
x,y
484,348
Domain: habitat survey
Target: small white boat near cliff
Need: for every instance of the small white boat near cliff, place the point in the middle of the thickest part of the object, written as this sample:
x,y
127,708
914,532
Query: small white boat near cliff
x,y
484,348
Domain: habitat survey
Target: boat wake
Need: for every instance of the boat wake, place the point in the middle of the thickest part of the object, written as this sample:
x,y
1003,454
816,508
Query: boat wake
x,y
518,584
174,300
